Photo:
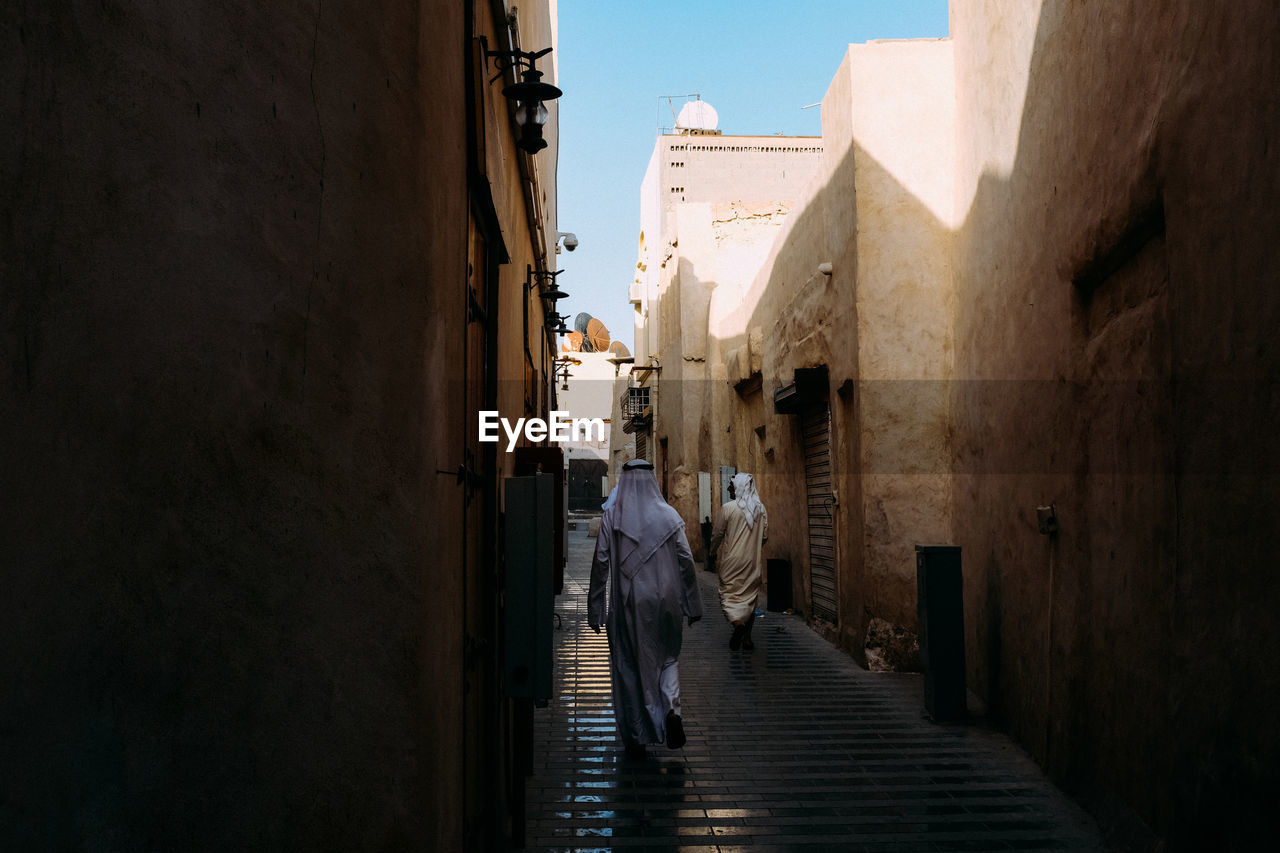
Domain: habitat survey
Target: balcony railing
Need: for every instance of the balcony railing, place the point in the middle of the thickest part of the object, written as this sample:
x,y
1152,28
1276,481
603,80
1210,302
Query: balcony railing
x,y
633,402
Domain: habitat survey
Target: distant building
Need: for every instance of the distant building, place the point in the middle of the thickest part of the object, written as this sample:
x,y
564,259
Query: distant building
x,y
711,206
587,393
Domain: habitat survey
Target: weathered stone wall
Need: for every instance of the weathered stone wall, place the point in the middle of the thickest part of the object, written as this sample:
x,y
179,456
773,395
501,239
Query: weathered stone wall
x,y
233,324
1114,274
880,322
524,347
1051,284
902,116
712,169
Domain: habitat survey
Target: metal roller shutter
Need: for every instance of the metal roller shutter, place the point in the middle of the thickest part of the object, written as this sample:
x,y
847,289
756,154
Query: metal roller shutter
x,y
815,428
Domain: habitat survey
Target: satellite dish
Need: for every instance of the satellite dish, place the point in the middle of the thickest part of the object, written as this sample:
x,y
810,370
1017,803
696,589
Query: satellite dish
x,y
697,115
598,335
618,348
580,323
573,342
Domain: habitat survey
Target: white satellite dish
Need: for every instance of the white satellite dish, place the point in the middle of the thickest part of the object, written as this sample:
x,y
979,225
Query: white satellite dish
x,y
697,115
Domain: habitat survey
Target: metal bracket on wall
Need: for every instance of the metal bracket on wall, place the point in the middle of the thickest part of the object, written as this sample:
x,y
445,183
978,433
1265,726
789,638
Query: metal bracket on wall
x,y
466,476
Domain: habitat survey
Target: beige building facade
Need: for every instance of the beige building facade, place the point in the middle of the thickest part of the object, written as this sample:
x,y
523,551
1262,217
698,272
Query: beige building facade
x,y
585,395
711,206
1032,267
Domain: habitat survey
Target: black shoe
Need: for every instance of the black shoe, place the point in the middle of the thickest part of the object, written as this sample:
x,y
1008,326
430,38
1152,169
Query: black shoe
x,y
735,642
675,731
636,751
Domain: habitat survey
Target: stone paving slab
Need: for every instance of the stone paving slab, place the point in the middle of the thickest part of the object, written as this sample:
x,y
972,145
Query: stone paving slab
x,y
791,746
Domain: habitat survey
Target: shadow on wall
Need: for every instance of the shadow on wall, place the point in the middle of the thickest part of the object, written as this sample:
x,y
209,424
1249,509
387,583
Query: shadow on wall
x,y
1112,349
1142,667
889,436
231,299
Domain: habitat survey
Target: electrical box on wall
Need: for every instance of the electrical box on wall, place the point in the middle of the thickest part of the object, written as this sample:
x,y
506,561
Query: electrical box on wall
x,y
940,605
549,459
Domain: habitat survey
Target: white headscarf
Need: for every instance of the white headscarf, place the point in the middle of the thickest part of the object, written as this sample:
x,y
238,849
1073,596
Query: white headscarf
x,y
640,514
744,490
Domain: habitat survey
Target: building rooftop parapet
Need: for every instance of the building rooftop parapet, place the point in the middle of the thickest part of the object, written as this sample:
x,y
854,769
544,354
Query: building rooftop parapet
x,y
670,132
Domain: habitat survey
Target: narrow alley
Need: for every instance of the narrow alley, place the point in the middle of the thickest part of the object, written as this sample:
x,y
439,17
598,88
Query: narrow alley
x,y
791,746
324,323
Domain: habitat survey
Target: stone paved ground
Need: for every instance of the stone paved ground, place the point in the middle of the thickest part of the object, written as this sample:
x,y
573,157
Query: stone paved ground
x,y
791,747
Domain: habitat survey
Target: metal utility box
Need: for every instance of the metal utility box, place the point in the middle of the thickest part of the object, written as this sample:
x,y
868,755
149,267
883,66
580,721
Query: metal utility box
x,y
778,577
549,459
940,606
528,594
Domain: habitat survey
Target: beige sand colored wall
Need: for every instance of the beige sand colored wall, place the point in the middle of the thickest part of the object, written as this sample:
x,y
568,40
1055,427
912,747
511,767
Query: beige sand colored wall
x,y
702,241
1118,366
881,320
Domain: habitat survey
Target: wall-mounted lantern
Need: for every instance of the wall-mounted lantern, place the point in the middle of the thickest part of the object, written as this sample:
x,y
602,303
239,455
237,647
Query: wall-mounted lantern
x,y
530,94
562,370
544,281
558,321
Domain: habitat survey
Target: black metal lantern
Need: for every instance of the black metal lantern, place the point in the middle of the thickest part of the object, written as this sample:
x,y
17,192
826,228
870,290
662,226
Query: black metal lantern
x,y
557,319
530,95
531,111
544,281
562,370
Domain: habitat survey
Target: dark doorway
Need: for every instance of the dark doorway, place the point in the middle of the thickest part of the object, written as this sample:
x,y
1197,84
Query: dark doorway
x,y
585,479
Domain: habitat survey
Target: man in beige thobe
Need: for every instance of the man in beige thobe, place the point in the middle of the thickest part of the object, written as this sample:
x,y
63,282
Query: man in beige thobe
x,y
741,528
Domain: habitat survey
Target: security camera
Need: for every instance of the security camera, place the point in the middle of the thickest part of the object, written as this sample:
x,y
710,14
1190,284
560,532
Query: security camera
x,y
570,239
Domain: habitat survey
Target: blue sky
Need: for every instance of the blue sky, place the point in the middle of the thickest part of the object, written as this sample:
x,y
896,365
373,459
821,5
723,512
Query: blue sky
x,y
756,62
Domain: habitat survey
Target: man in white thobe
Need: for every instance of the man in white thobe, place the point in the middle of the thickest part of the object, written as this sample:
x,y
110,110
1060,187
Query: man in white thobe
x,y
741,528
643,558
